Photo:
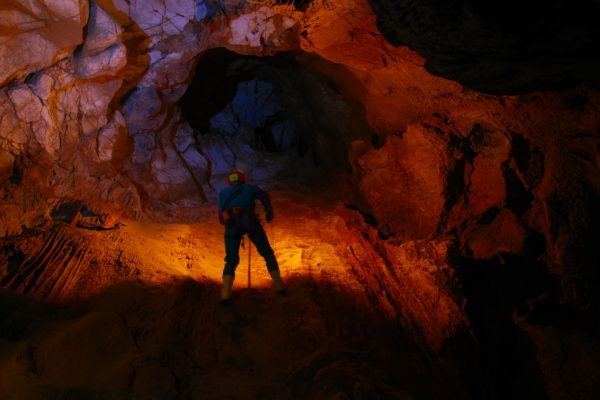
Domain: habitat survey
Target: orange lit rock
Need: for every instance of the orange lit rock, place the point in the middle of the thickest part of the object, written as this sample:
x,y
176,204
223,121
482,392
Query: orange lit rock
x,y
346,33
426,282
410,275
6,164
109,136
30,110
49,31
404,181
103,51
412,281
12,132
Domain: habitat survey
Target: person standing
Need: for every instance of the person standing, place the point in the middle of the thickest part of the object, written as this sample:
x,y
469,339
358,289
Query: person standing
x,y
237,213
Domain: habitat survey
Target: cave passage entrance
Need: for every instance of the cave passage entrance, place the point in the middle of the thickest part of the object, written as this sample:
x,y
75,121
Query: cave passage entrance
x,y
288,120
230,91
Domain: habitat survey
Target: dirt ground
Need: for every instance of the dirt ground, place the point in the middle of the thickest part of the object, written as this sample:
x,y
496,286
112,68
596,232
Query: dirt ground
x,y
133,313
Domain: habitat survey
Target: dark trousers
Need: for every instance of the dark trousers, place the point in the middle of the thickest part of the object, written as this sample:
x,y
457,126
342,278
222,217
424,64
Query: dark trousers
x,y
232,250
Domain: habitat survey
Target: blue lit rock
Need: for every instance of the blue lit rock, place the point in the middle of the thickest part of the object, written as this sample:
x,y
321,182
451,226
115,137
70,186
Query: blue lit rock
x,y
252,104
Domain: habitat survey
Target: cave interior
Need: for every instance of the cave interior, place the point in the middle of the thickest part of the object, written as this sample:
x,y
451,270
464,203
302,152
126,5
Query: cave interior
x,y
434,173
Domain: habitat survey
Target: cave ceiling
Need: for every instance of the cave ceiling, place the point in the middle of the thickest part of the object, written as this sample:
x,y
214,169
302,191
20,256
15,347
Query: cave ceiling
x,y
501,47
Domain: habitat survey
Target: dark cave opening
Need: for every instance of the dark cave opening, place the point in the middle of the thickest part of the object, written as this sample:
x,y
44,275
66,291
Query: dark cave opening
x,y
242,83
499,292
282,107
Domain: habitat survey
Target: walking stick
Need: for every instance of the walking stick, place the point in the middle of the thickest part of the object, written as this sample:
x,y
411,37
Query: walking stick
x,y
249,259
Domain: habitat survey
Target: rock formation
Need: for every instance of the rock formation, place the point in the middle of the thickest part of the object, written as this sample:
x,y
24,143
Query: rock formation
x,y
427,171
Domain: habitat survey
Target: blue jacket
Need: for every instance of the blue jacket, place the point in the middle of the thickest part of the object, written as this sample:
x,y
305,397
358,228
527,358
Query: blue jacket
x,y
242,196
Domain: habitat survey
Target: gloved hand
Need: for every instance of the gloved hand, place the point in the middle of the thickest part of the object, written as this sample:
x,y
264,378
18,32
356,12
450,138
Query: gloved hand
x,y
269,215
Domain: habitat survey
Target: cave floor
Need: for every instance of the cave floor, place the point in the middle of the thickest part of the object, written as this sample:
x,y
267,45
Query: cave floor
x,y
134,312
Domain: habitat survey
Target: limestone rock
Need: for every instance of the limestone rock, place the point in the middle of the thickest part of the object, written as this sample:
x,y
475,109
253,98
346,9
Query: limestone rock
x,y
48,29
27,105
217,149
346,34
108,136
13,132
391,82
168,169
195,161
57,108
158,18
263,28
30,109
425,284
415,274
144,110
9,222
109,61
92,101
404,181
184,138
172,61
144,146
102,30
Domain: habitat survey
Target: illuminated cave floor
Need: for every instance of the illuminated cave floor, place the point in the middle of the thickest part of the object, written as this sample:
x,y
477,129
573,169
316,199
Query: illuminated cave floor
x,y
133,312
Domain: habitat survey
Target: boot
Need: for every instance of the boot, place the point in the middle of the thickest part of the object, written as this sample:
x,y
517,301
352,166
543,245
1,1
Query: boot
x,y
226,290
277,282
